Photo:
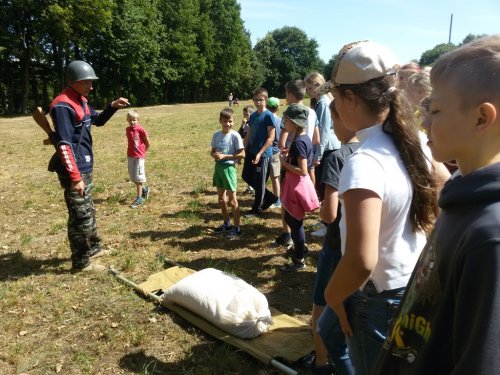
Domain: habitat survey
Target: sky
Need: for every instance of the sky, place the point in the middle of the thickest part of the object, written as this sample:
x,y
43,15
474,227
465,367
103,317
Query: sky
x,y
409,28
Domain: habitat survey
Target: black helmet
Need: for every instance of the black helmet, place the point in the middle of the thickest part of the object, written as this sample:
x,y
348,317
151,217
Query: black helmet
x,y
79,70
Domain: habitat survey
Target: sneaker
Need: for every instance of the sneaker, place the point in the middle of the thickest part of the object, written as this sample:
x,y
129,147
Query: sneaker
x,y
251,215
223,229
233,234
321,232
294,266
138,202
100,253
249,190
283,240
92,267
276,204
145,193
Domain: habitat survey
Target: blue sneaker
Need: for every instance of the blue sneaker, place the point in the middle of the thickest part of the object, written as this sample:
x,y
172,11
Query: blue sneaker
x,y
138,202
145,193
223,229
233,234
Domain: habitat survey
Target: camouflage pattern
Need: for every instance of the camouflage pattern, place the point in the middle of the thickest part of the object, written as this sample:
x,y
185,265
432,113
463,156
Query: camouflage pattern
x,y
82,227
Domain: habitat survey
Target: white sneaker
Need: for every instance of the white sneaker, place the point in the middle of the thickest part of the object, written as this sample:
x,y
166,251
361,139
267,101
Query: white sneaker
x,y
321,232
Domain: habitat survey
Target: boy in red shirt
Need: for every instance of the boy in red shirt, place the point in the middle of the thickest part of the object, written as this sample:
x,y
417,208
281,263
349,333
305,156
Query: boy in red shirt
x,y
138,143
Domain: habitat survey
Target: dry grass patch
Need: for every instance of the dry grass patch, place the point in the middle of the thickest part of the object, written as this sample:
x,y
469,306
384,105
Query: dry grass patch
x,y
57,322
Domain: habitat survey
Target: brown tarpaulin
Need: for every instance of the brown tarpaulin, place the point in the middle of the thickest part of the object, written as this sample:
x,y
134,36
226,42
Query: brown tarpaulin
x,y
288,339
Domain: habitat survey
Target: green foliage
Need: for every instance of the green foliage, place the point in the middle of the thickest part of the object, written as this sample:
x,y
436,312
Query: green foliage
x,y
287,54
328,70
150,51
430,56
471,37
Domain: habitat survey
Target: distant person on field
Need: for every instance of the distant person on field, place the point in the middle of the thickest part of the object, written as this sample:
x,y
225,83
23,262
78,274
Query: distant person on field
x,y
258,141
236,101
74,160
448,321
138,144
227,148
230,99
273,104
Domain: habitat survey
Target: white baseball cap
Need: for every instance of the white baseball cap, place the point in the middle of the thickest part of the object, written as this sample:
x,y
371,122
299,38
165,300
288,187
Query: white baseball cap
x,y
360,62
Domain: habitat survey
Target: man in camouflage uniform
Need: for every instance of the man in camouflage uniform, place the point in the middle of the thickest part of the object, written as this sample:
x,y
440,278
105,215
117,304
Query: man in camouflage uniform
x,y
74,159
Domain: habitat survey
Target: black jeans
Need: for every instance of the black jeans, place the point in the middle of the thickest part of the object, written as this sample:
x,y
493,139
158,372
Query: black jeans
x,y
256,175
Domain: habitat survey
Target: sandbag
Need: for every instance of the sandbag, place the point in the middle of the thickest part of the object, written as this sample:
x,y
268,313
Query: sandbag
x,y
224,300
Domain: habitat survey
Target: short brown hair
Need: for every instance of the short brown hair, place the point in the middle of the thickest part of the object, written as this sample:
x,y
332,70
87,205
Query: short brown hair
x,y
472,71
296,88
260,91
226,113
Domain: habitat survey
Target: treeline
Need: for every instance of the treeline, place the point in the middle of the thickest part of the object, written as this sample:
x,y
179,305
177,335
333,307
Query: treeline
x,y
151,51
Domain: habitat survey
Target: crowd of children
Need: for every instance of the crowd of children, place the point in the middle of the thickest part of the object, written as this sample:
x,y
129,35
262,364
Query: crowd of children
x,y
407,276
405,282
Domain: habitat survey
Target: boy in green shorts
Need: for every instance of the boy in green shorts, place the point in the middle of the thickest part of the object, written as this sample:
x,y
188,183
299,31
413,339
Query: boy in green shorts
x,y
227,147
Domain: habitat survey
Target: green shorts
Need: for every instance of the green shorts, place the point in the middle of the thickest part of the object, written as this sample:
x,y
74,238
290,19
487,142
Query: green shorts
x,y
225,176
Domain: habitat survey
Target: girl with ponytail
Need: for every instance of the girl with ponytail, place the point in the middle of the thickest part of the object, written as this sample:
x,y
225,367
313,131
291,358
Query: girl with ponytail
x,y
388,196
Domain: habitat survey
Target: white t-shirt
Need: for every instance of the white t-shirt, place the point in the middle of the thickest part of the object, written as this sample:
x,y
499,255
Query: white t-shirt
x,y
377,166
312,122
227,144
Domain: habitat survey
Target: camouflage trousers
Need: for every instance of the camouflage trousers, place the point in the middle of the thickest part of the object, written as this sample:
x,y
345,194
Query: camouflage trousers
x,y
82,227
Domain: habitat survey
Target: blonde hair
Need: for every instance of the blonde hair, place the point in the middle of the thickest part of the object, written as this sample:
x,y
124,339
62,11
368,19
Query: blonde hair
x,y
420,81
316,79
132,114
472,71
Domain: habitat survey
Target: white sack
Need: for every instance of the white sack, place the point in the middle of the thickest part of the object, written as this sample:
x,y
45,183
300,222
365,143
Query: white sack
x,y
224,300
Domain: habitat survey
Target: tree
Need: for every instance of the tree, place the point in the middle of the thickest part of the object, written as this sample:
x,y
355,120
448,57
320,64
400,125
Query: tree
x,y
431,55
471,37
287,54
328,70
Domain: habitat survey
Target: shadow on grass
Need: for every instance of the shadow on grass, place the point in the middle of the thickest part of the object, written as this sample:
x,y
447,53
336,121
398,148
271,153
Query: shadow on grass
x,y
16,265
208,358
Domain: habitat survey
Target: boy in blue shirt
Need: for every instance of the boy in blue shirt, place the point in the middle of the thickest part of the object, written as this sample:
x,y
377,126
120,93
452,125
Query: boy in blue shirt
x,y
258,141
227,147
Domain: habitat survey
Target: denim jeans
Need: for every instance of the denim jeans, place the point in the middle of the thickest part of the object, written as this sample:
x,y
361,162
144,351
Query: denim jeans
x,y
333,338
370,314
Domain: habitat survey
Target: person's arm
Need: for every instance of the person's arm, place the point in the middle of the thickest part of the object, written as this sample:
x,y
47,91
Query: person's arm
x,y
248,136
283,137
100,118
363,209
324,126
213,153
146,141
63,119
300,169
316,137
271,133
330,204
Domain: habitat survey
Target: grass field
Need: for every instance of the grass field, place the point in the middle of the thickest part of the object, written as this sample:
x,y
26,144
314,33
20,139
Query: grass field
x,y
53,321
